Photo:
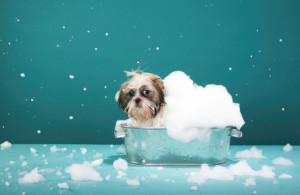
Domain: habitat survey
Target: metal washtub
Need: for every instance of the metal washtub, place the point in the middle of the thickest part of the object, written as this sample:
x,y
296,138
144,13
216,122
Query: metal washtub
x,y
153,146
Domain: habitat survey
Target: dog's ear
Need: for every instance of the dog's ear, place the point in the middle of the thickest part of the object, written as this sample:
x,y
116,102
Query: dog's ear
x,y
159,85
157,81
123,100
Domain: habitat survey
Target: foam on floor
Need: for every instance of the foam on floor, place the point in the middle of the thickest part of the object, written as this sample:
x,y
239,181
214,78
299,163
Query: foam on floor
x,y
83,172
281,161
251,153
32,177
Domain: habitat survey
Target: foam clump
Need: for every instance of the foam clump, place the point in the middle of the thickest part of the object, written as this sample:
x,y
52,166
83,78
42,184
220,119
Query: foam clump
x,y
285,176
192,109
56,149
132,182
120,164
83,172
32,177
222,173
97,162
250,182
280,161
251,153
287,148
5,144
63,185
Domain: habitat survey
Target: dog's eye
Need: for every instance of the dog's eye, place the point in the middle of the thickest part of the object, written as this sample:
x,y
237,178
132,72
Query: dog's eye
x,y
131,93
145,92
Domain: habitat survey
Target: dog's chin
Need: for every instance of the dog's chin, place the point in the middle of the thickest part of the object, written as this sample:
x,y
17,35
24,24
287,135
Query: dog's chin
x,y
140,112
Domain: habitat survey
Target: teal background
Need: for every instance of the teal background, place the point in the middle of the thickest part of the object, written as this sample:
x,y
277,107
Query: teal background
x,y
202,38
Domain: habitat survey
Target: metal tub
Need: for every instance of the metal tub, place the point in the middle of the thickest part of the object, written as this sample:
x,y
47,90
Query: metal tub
x,y
153,146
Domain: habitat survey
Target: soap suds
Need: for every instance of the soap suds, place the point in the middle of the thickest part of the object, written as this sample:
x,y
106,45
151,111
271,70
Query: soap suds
x,y
133,182
120,164
121,174
63,185
83,172
285,176
280,161
97,162
222,173
287,148
32,177
250,182
192,109
56,149
5,144
251,153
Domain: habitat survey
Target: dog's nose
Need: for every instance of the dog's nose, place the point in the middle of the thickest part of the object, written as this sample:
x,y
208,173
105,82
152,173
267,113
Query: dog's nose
x,y
137,100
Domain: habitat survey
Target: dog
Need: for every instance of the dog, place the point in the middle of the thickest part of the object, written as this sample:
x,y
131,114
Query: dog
x,y
142,98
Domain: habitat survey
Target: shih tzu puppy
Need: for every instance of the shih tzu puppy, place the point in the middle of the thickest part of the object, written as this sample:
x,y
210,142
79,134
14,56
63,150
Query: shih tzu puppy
x,y
142,98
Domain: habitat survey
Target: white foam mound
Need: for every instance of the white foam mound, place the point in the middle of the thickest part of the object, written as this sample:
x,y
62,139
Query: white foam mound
x,y
222,173
285,176
251,153
190,106
132,182
250,182
56,149
120,164
32,177
287,148
280,161
6,144
63,185
83,172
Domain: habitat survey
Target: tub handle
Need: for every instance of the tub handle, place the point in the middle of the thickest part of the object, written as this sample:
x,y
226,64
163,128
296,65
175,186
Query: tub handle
x,y
120,132
234,132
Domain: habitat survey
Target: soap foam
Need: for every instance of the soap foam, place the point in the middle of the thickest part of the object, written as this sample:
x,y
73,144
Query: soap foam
x,y
250,182
132,182
192,110
63,185
280,161
251,153
287,148
222,173
56,149
5,144
285,176
83,172
32,177
120,164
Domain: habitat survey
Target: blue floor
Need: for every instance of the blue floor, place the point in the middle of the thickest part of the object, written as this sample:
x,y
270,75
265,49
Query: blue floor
x,y
169,180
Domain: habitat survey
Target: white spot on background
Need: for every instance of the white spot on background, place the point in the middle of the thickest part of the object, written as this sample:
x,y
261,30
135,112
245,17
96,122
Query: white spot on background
x,y
18,20
105,86
280,40
149,36
96,49
57,45
84,89
71,117
230,68
157,48
22,75
71,76
63,27
106,34
251,56
39,131
283,109
88,31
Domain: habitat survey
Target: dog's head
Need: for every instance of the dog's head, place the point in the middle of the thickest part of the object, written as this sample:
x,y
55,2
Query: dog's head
x,y
142,95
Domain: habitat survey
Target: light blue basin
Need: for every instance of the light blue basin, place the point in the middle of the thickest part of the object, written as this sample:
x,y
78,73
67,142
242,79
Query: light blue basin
x,y
153,146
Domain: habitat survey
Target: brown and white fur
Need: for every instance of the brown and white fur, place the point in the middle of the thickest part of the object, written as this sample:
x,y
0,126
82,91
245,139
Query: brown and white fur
x,y
142,98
